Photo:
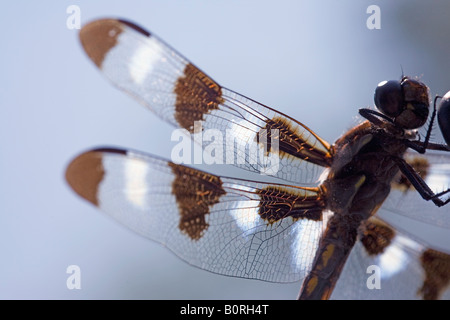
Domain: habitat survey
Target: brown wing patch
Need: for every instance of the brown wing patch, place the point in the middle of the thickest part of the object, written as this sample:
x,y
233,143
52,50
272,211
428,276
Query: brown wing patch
x,y
85,173
376,237
293,143
278,203
196,95
437,273
99,37
195,192
420,165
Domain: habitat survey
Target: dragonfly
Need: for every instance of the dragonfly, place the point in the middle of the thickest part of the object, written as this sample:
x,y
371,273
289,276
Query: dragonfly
x,y
319,222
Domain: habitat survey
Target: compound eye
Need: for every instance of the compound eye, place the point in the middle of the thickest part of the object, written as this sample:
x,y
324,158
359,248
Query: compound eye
x,y
443,116
389,98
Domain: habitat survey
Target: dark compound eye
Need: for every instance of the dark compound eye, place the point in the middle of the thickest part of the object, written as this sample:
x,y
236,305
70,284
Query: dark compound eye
x,y
389,98
444,117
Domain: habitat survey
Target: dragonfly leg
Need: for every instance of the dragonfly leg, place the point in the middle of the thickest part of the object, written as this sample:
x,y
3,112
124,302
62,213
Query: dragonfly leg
x,y
420,185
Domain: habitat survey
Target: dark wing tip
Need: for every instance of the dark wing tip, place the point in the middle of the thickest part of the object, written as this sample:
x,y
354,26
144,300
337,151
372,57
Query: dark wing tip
x,y
135,27
99,36
109,150
85,173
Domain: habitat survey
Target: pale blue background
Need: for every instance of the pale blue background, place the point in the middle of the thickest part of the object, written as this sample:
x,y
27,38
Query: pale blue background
x,y
314,60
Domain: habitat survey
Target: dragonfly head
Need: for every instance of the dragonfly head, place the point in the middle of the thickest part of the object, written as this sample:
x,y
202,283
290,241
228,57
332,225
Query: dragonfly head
x,y
444,117
405,101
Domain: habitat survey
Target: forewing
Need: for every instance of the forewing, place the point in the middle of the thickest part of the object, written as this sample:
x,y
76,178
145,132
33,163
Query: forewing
x,y
160,78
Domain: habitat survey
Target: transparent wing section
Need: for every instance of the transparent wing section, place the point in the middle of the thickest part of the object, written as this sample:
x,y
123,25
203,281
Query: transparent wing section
x,y
251,135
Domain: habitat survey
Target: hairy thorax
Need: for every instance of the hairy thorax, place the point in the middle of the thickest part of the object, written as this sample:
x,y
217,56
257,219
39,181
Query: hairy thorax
x,y
364,166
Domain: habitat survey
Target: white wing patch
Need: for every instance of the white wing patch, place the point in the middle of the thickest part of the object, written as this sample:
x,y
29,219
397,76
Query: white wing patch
x,y
436,179
395,258
245,213
136,181
143,60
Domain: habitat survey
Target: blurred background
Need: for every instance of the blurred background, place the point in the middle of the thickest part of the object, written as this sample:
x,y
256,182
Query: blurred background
x,y
316,61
